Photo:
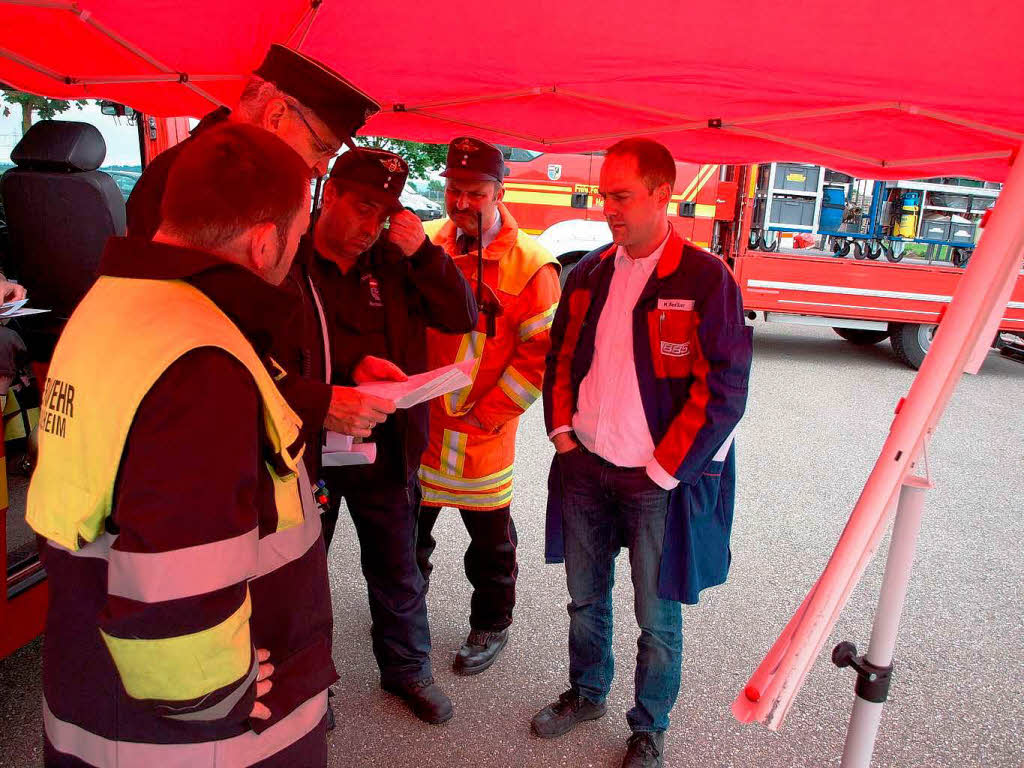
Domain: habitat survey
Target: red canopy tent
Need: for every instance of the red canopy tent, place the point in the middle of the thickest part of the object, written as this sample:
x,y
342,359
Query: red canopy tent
x,y
877,89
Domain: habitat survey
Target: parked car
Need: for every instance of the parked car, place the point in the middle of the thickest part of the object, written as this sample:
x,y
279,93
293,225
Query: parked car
x,y
424,208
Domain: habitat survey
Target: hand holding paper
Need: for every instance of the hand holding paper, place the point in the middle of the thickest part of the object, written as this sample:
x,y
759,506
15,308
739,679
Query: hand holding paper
x,y
17,308
372,368
423,386
356,413
11,292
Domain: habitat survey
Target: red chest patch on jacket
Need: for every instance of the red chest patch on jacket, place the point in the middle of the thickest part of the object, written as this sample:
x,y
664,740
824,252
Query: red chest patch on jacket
x,y
672,328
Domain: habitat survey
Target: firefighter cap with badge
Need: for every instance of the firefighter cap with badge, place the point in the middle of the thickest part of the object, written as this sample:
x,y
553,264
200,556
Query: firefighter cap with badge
x,y
471,159
377,173
339,104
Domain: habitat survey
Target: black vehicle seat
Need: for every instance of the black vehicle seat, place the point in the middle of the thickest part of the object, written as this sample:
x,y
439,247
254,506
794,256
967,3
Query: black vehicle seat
x,y
60,212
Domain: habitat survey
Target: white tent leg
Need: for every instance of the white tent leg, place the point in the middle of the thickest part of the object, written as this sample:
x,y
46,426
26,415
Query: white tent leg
x,y
874,667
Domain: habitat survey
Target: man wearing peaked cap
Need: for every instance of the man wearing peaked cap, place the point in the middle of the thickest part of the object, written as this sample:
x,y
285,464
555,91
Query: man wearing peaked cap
x,y
474,160
309,106
315,111
468,463
381,290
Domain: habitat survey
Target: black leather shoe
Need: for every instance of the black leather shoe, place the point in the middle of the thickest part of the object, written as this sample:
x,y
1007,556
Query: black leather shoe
x,y
427,701
645,750
570,710
479,651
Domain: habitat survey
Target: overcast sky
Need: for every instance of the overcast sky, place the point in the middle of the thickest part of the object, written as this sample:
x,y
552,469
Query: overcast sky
x,y
122,139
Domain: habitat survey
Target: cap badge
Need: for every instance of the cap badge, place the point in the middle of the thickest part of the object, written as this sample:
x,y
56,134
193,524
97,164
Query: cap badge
x,y
466,145
392,164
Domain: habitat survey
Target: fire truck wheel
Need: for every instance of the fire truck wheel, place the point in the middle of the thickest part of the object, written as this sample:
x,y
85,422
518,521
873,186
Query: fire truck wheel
x,y
861,336
911,341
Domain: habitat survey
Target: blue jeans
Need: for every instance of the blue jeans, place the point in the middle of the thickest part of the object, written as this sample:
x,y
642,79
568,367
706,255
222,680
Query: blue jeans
x,y
605,507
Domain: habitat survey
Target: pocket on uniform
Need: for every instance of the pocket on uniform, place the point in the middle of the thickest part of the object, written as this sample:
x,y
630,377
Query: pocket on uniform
x,y
566,454
566,461
673,341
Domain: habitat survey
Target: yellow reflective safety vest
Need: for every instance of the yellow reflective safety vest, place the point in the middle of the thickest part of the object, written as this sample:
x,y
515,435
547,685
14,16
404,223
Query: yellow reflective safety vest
x,y
88,405
169,696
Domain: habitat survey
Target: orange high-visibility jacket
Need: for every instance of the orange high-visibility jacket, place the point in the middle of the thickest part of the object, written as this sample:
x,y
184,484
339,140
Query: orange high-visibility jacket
x,y
465,466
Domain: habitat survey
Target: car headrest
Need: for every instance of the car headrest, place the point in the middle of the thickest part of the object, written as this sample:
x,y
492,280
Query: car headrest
x,y
60,145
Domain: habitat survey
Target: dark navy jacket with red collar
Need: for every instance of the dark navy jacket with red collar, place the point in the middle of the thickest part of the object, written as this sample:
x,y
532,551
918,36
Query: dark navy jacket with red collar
x,y
692,351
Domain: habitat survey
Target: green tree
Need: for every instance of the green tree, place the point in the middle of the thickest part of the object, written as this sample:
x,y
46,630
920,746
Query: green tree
x,y
422,158
47,109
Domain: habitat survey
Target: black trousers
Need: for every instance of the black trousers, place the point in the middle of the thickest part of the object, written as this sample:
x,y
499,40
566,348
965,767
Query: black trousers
x,y
385,520
490,561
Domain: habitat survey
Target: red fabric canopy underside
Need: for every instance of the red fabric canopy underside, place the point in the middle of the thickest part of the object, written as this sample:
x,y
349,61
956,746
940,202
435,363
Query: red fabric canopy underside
x,y
576,76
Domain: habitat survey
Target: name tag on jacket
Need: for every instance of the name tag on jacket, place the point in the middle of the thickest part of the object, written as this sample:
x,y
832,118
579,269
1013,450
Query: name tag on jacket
x,y
682,304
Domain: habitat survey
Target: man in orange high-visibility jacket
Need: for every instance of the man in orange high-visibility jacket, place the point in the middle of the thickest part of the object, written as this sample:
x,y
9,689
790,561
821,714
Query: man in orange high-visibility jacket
x,y
468,462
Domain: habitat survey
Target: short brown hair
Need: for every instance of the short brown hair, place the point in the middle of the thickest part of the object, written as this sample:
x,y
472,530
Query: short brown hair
x,y
229,179
654,162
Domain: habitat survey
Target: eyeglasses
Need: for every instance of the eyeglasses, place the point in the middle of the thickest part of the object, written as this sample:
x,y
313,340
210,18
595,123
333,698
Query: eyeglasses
x,y
320,145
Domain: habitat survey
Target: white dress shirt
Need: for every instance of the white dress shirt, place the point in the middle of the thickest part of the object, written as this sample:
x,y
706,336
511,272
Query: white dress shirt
x,y
489,234
609,418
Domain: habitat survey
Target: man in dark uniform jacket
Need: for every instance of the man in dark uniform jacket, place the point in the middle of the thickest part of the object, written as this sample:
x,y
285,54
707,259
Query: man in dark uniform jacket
x,y
380,295
314,110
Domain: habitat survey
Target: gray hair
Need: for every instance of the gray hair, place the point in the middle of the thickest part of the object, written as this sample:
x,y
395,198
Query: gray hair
x,y
255,97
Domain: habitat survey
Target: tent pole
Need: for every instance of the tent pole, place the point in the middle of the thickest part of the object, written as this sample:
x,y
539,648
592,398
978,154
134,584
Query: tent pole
x,y
479,126
997,155
875,667
47,72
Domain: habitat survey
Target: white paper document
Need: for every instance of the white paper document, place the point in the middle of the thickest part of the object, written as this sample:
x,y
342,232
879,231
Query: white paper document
x,y
342,451
423,386
18,309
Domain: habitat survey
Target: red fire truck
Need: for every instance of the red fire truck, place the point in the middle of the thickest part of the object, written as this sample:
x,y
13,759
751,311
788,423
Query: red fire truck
x,y
554,196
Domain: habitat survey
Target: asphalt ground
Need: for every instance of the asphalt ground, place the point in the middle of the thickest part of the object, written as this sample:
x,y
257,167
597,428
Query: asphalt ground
x,y
819,411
